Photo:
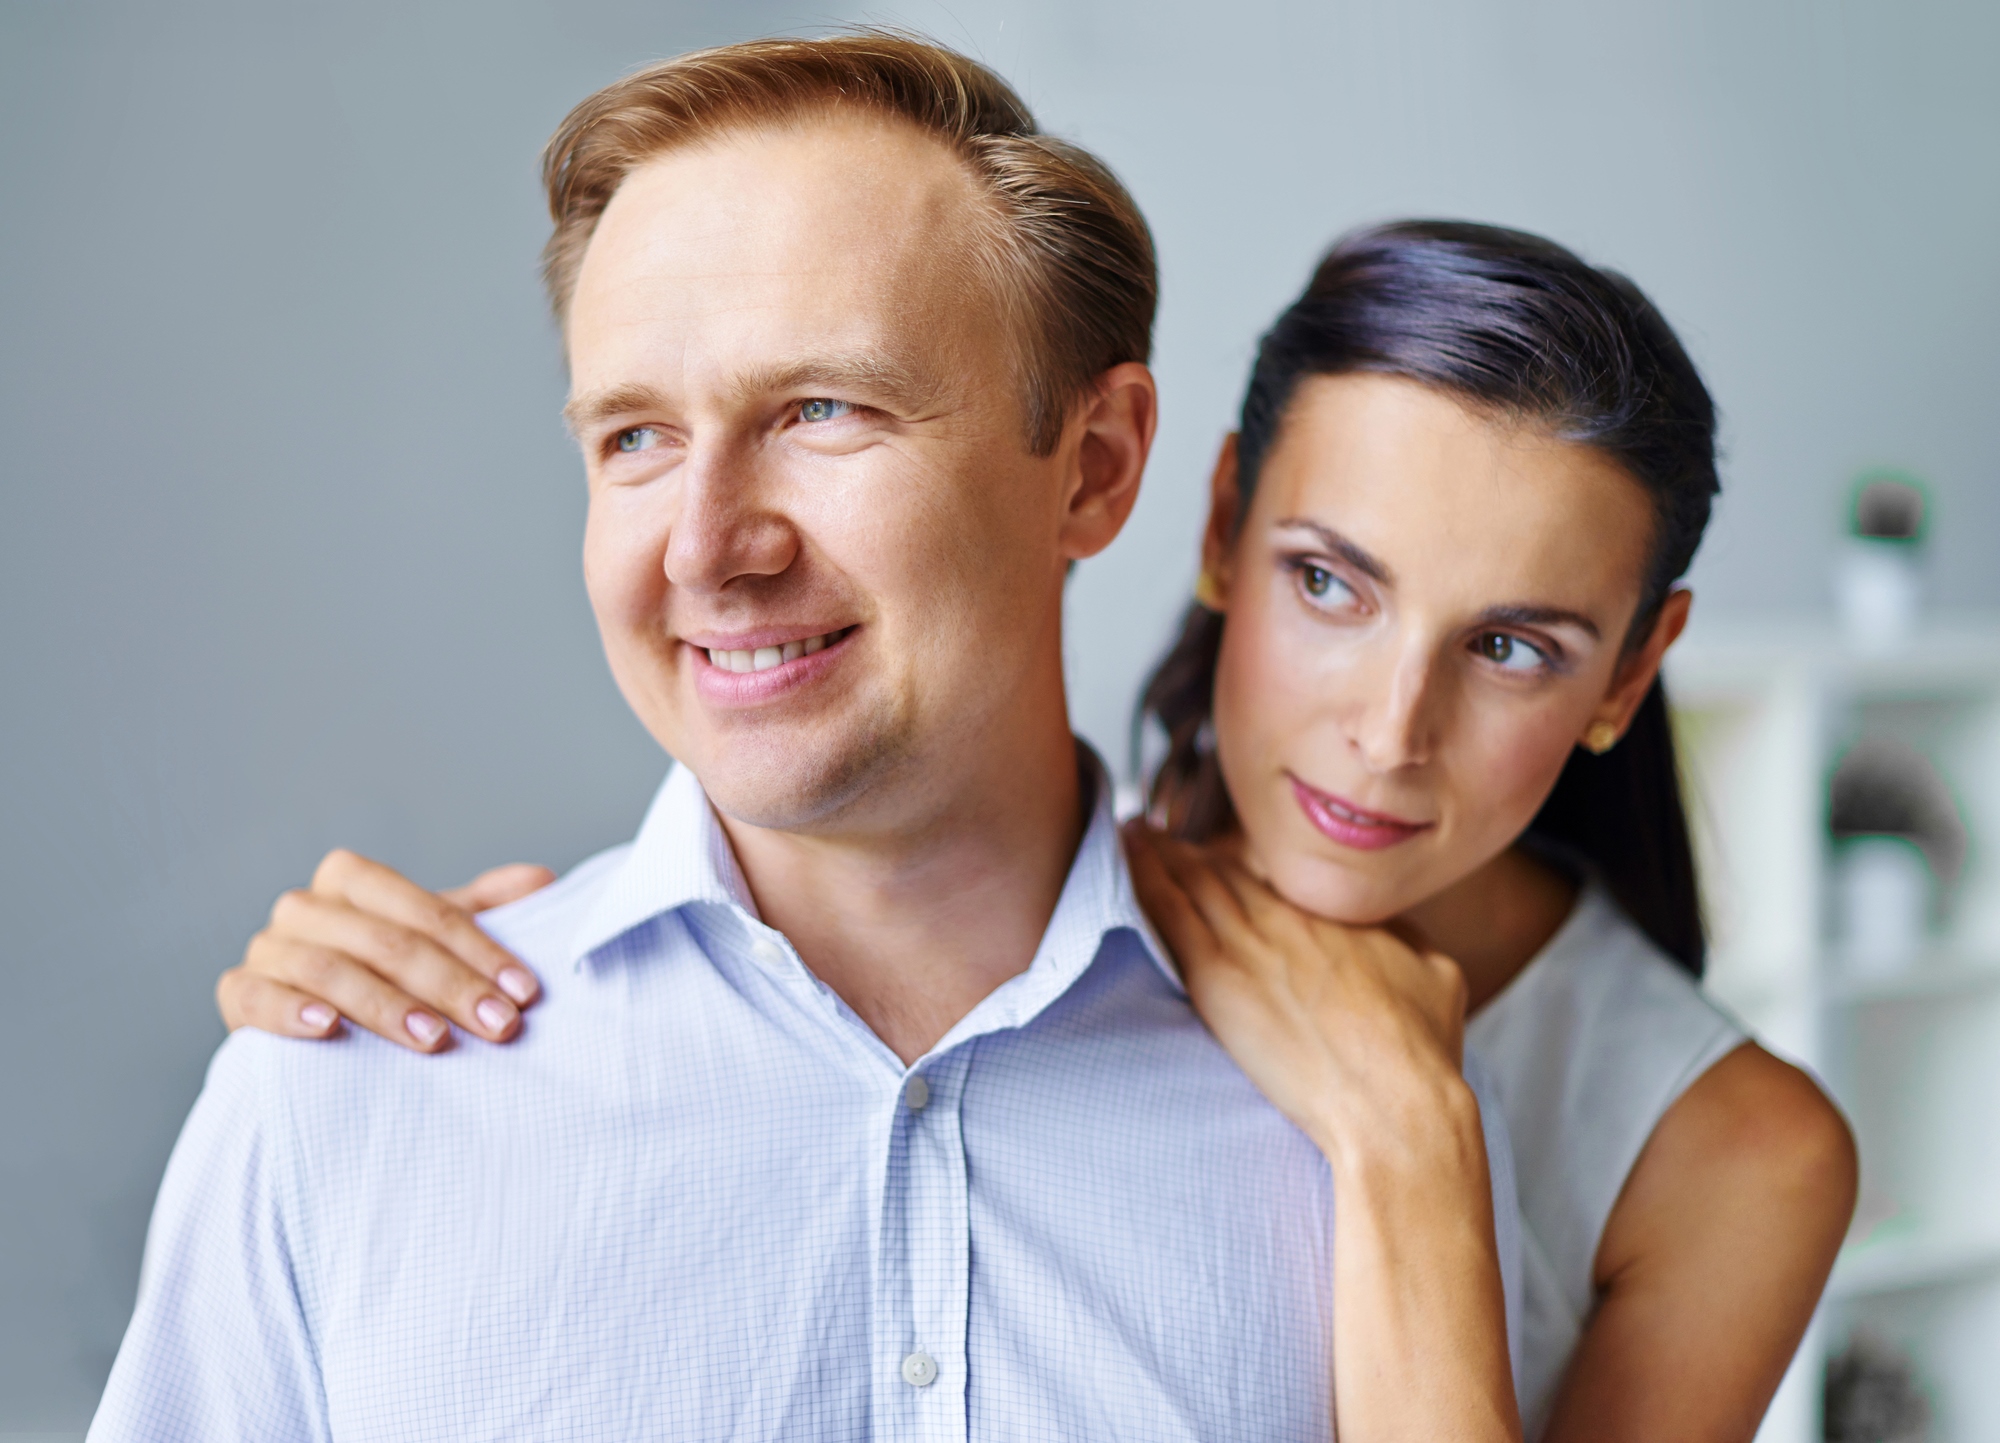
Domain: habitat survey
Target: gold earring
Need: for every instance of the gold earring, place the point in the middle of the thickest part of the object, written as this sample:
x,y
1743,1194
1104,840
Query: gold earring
x,y
1208,592
1600,737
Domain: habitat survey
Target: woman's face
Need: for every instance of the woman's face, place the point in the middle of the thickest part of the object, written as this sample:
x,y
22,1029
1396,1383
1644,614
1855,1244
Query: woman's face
x,y
1427,609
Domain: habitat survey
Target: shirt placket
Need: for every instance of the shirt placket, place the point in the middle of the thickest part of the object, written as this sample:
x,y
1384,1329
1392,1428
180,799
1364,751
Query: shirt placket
x,y
924,1259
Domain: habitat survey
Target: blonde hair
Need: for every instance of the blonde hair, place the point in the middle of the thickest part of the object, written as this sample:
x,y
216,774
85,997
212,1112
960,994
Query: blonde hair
x,y
1071,259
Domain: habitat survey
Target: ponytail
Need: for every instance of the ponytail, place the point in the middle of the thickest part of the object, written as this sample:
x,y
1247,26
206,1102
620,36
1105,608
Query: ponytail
x,y
1622,812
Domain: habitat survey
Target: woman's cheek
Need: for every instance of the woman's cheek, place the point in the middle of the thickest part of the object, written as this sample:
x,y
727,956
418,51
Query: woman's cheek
x,y
1510,767
1256,697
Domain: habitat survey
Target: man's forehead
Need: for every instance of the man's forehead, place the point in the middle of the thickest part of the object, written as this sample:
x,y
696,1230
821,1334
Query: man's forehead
x,y
848,199
790,247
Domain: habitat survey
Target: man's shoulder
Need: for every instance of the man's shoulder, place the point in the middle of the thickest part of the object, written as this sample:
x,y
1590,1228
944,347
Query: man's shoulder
x,y
320,1090
540,926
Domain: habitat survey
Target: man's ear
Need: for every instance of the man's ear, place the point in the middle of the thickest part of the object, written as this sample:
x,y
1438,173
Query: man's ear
x,y
1117,427
1636,670
1218,537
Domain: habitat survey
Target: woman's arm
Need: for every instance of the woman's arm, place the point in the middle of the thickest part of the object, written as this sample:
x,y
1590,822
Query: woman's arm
x,y
1357,1038
1712,1261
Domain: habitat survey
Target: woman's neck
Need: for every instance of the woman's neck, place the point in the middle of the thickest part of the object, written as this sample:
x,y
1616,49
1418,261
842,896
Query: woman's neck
x,y
1493,922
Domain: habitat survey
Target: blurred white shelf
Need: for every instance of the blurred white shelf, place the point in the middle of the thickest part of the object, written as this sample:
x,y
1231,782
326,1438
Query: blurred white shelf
x,y
1940,977
1932,976
1953,656
1764,710
1896,1265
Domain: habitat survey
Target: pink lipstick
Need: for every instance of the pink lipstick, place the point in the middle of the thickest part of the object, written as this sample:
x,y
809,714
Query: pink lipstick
x,y
1353,826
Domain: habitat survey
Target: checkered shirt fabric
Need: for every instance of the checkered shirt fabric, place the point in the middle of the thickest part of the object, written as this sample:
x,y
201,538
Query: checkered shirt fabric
x,y
696,1200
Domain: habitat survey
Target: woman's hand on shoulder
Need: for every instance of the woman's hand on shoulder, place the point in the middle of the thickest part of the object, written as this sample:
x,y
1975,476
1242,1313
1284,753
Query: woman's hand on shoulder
x,y
1350,1031
366,943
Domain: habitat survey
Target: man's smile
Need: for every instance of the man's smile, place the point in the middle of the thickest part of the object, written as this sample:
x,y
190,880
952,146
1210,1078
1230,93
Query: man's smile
x,y
753,667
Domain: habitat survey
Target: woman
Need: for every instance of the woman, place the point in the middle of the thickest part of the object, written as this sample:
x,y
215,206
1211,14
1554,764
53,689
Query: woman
x,y
1438,577
1418,762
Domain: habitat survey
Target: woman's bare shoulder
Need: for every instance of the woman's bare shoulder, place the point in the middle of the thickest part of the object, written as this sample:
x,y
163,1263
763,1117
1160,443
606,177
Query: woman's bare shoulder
x,y
1754,1155
1714,1258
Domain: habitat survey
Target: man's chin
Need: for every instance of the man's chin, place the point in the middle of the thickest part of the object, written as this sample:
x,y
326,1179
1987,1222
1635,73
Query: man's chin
x,y
793,783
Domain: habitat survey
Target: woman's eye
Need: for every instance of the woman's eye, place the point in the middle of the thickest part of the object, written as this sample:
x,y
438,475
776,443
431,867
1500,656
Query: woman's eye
x,y
1510,653
1322,585
639,438
821,409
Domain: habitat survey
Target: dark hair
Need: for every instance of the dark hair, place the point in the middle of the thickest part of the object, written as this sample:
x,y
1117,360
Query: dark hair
x,y
1517,325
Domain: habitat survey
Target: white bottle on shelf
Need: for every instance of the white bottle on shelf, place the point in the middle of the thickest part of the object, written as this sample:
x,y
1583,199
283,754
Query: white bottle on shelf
x,y
1883,894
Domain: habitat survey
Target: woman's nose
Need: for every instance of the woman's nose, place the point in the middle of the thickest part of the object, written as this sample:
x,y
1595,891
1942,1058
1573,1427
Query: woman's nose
x,y
1393,727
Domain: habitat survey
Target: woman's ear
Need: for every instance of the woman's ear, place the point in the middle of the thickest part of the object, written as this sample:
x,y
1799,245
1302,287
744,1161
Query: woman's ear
x,y
1636,670
1219,536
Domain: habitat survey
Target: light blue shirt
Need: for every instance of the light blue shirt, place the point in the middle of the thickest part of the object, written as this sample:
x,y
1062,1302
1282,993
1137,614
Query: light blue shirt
x,y
700,1199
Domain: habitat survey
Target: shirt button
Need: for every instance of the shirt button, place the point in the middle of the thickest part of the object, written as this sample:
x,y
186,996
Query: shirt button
x,y
917,1095
919,1369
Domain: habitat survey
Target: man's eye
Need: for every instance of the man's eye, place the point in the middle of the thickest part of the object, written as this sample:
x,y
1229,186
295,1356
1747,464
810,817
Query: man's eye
x,y
639,438
1510,653
821,409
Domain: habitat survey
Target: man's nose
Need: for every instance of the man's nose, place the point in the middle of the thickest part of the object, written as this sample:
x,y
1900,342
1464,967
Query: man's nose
x,y
725,527
1393,727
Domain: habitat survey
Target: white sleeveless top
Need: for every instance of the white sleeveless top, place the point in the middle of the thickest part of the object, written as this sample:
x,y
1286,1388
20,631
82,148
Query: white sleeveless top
x,y
1589,1045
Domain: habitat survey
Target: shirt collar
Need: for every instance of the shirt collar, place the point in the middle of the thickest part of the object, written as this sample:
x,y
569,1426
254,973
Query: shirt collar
x,y
682,856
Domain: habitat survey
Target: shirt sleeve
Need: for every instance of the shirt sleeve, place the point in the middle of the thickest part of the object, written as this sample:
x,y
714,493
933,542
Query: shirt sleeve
x,y
218,1348
1506,1203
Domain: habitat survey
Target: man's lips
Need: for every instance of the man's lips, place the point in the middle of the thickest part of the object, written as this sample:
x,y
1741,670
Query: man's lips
x,y
1352,826
754,651
749,668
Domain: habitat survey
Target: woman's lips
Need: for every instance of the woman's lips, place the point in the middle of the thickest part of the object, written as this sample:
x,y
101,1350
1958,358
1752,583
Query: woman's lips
x,y
1353,826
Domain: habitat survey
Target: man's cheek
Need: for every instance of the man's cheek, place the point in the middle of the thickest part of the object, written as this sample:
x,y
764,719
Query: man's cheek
x,y
626,582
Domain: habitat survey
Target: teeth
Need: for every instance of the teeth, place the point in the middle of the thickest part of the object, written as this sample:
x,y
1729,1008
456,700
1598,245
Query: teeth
x,y
766,657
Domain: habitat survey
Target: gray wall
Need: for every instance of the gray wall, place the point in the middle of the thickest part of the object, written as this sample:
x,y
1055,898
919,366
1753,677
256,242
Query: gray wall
x,y
288,528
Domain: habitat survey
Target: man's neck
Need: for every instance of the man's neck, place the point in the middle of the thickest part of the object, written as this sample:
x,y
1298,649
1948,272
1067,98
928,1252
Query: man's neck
x,y
913,928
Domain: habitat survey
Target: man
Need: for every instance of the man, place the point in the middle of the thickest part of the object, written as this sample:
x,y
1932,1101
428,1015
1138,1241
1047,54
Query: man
x,y
861,1102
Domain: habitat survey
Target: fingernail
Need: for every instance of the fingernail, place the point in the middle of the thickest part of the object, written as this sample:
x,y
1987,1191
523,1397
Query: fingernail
x,y
424,1027
516,984
493,1014
317,1015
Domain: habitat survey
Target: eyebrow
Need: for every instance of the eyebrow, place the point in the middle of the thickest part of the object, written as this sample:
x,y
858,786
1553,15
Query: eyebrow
x,y
580,413
871,374
1363,561
1375,568
1540,616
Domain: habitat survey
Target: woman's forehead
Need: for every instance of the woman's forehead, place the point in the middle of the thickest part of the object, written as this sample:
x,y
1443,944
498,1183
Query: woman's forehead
x,y
1434,487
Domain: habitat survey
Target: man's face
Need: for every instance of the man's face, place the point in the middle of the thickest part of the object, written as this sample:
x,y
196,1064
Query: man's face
x,y
820,553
